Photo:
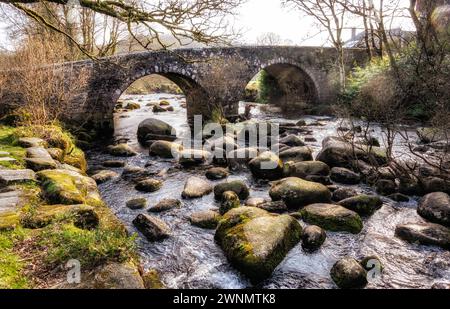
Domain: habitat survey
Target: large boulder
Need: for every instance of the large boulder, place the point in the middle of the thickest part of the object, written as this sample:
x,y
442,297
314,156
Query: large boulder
x,y
349,274
165,149
296,154
267,166
196,187
241,156
345,176
237,186
292,141
296,192
364,205
435,207
155,129
255,241
306,168
343,193
69,188
152,228
337,152
333,218
428,234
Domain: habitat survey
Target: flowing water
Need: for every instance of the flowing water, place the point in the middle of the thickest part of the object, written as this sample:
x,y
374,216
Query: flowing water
x,y
191,258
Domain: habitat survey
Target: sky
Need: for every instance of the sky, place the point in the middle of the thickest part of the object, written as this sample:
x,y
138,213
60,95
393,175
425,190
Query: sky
x,y
257,17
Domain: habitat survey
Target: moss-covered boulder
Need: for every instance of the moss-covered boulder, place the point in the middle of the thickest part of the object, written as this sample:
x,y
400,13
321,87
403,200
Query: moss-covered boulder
x,y
152,280
364,205
345,176
349,274
305,169
267,166
296,192
255,241
77,159
230,200
237,186
165,149
296,154
332,218
155,129
149,185
435,207
69,188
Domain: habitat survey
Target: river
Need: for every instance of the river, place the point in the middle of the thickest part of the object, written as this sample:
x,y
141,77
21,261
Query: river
x,y
191,258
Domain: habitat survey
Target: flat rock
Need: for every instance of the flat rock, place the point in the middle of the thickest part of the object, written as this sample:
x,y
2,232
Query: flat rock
x,y
27,142
154,229
428,234
165,205
12,177
205,219
196,187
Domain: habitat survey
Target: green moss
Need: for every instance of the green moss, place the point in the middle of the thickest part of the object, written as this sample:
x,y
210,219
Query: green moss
x,y
76,159
335,223
152,280
54,135
11,265
8,142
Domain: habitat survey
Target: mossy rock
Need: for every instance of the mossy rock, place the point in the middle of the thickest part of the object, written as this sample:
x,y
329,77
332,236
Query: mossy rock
x,y
76,159
69,188
333,218
255,241
237,186
267,166
165,149
296,192
364,205
152,280
9,221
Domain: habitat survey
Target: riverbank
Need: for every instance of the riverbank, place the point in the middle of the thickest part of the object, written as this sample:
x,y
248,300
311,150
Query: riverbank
x,y
53,219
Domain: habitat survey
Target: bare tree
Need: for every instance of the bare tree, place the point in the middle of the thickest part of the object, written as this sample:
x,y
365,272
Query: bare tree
x,y
203,21
330,15
269,39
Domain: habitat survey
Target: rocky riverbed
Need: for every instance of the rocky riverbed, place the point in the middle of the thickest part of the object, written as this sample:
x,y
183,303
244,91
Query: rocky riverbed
x,y
266,247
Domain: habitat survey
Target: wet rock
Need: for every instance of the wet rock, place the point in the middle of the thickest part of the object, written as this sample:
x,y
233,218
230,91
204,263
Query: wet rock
x,y
364,205
155,129
132,106
230,200
297,193
296,154
313,238
332,218
398,197
191,157
217,173
27,142
349,274
410,186
267,166
104,176
301,123
292,141
205,219
152,280
13,177
241,156
134,173
149,185
324,180
158,109
255,242
274,207
165,149
428,234
435,207
310,139
336,152
151,227
165,205
69,188
345,176
137,203
196,187
121,150
343,193
38,164
227,143
386,187
305,169
254,201
435,184
237,186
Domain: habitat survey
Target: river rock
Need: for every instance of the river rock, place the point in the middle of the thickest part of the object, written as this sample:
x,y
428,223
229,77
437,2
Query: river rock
x,y
398,197
155,129
241,156
121,150
435,184
386,187
38,164
137,203
134,173
196,187
237,186
292,141
333,218
152,228
343,193
152,280
149,185
428,234
296,154
306,168
69,188
255,241
27,142
13,177
165,205
165,149
217,173
104,176
230,200
192,157
349,274
255,201
114,163
431,135
227,143
267,166
158,109
297,193
364,205
345,176
313,238
273,207
435,207
205,219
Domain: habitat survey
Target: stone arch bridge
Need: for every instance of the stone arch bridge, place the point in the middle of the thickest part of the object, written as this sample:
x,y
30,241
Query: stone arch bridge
x,y
299,71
